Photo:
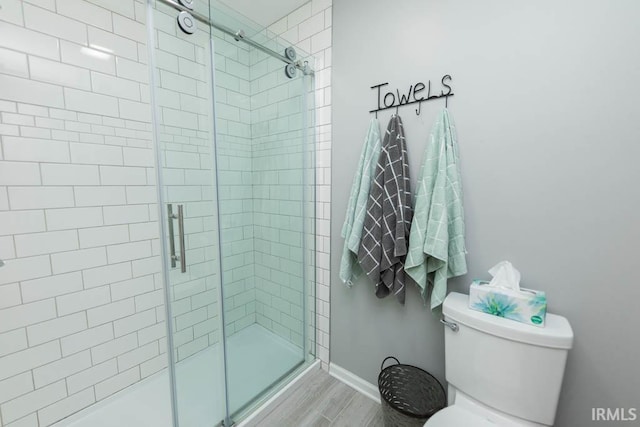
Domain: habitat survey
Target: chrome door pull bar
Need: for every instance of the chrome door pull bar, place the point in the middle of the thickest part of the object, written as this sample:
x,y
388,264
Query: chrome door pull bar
x,y
172,244
183,255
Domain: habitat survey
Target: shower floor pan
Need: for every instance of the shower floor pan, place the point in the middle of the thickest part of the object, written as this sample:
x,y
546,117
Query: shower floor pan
x,y
257,359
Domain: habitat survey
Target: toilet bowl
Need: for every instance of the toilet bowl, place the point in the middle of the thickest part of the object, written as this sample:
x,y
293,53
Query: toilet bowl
x,y
455,416
501,372
467,412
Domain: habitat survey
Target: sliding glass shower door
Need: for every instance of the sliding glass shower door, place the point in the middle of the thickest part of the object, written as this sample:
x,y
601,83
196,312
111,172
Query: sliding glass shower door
x,y
183,99
236,184
263,155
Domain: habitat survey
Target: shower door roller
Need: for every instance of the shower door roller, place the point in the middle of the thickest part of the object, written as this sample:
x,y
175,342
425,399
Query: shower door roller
x,y
172,244
186,22
290,53
187,3
290,70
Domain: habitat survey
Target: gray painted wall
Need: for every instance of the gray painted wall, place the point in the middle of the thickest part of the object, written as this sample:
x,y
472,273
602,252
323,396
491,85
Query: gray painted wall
x,y
547,104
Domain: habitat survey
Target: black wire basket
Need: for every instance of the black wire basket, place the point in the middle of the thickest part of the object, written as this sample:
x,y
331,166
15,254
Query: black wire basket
x,y
409,395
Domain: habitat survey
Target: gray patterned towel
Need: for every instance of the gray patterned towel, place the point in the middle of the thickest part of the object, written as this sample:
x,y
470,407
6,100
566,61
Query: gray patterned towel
x,y
386,225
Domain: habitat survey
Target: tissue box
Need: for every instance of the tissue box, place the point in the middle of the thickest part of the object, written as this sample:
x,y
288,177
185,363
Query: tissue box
x,y
526,305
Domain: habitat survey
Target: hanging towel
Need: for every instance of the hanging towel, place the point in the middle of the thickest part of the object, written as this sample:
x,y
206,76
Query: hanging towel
x,y
353,222
388,216
436,246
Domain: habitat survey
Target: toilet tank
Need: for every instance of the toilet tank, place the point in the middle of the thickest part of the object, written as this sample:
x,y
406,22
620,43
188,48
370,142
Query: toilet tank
x,y
512,367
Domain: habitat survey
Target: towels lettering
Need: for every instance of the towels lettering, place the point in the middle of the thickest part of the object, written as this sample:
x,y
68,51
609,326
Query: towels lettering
x,y
397,98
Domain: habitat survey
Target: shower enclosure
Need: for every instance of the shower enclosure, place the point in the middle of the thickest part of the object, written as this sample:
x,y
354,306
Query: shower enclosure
x,y
232,120
156,213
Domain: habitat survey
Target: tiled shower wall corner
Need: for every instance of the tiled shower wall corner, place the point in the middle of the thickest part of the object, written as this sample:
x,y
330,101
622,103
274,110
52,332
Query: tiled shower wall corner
x,y
279,149
309,27
265,276
260,164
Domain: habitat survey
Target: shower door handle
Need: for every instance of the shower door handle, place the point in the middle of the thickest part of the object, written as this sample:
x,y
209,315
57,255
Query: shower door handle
x,y
172,244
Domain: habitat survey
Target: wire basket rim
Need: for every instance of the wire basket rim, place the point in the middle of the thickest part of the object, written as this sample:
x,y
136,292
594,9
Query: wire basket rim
x,y
404,411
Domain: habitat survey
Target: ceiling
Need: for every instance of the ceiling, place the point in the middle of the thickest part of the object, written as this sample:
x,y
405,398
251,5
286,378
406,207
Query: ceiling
x,y
264,12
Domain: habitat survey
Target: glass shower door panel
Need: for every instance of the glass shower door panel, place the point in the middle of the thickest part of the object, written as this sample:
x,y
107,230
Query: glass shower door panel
x,y
261,135
182,96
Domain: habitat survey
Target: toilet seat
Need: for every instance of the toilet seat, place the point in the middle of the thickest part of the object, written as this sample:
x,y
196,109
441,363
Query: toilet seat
x,y
456,416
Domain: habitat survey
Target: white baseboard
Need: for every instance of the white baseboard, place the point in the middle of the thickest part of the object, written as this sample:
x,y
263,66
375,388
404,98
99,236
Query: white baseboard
x,y
354,381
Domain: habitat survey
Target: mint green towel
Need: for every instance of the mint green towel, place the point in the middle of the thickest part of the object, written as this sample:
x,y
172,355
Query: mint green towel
x,y
436,243
356,210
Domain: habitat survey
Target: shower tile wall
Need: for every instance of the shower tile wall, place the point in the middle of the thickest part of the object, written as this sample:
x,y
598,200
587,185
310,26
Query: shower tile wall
x,y
262,178
309,28
81,306
81,313
234,171
185,133
278,135
248,241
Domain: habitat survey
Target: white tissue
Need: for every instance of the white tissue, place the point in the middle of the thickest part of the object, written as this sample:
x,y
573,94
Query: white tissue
x,y
505,276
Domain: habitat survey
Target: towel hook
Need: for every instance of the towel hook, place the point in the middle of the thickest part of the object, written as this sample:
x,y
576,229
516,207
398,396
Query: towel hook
x,y
397,108
419,109
446,101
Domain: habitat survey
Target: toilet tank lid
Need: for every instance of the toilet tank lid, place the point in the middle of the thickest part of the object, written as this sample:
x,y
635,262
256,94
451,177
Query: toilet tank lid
x,y
556,333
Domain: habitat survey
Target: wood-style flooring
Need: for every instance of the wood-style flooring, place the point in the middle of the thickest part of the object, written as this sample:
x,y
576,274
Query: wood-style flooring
x,y
319,400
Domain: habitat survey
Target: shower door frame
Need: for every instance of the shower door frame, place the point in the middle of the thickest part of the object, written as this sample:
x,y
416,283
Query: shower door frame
x,y
216,171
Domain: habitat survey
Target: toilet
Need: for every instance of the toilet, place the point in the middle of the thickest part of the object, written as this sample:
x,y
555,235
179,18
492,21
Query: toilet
x,y
501,372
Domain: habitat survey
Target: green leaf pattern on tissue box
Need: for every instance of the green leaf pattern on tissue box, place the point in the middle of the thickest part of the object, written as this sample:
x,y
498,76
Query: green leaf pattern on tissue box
x,y
498,305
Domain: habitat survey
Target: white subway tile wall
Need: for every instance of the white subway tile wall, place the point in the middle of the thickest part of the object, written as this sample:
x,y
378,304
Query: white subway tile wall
x,y
81,305
235,163
261,162
185,138
277,173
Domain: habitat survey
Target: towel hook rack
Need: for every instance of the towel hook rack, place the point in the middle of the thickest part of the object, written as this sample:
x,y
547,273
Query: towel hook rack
x,y
398,98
